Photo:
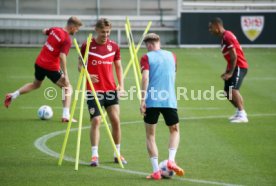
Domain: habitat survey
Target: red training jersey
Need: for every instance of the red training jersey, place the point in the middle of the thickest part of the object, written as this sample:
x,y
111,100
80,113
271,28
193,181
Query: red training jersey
x,y
229,40
58,41
100,61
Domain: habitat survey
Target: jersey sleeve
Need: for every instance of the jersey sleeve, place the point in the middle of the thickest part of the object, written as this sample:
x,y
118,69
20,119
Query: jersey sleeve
x,y
66,46
174,56
48,31
117,54
229,41
144,63
83,47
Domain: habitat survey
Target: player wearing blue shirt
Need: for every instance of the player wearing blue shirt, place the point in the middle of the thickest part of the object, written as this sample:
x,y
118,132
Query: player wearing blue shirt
x,y
158,96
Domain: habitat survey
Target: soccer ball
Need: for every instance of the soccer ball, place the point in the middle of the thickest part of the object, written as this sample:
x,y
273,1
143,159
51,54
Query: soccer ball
x,y
45,112
165,172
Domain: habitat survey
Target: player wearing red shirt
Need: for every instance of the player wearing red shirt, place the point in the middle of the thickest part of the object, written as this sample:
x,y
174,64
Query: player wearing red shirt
x,y
236,68
58,41
100,62
51,62
103,55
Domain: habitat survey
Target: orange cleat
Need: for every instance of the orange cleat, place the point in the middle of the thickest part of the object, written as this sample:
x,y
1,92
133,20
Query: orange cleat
x,y
178,170
94,161
155,175
8,100
66,120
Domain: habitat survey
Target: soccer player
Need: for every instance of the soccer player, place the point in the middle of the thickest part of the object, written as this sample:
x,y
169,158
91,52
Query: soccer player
x,y
103,55
51,62
158,76
236,68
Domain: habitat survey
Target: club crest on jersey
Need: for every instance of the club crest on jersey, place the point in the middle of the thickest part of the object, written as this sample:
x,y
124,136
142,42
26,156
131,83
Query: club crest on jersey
x,y
252,26
92,111
109,48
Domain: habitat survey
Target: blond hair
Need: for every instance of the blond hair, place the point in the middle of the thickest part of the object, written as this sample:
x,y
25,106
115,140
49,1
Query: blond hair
x,y
74,21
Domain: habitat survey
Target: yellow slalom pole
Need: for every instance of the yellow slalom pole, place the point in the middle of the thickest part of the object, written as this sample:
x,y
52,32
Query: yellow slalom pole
x,y
80,125
137,48
136,61
101,111
143,36
73,108
132,62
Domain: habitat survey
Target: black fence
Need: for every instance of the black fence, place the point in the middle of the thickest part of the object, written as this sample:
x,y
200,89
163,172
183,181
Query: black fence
x,y
256,28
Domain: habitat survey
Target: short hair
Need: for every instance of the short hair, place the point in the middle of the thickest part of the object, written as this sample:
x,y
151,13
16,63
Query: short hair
x,y
74,21
103,22
217,20
151,37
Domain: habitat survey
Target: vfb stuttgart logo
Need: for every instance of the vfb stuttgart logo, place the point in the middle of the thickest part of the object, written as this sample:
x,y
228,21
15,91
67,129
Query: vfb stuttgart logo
x,y
252,26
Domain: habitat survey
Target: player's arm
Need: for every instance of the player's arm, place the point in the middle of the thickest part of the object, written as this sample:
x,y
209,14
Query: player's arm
x,y
46,31
80,65
145,82
144,87
119,73
233,62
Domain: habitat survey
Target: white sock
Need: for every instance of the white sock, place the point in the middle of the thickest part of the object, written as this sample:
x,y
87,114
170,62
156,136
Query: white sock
x,y
118,146
15,94
66,113
172,153
94,150
154,163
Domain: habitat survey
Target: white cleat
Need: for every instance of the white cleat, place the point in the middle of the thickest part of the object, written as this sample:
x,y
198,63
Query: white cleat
x,y
239,119
234,116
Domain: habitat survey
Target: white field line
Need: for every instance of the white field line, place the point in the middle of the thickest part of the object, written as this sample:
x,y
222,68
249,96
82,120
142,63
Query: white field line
x,y
261,78
40,144
179,108
199,108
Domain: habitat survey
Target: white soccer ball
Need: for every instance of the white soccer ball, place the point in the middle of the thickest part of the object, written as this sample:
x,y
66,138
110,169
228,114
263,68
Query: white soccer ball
x,y
45,112
165,172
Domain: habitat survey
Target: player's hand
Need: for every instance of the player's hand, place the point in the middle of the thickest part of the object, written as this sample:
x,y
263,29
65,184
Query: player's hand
x,y
143,108
226,76
121,93
94,78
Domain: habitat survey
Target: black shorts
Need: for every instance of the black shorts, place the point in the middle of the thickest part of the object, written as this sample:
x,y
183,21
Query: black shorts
x,y
106,99
40,74
169,114
236,80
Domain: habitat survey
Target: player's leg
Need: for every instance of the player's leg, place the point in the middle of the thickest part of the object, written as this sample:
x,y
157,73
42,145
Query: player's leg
x,y
235,97
39,77
151,119
95,139
95,119
113,111
172,121
241,116
58,78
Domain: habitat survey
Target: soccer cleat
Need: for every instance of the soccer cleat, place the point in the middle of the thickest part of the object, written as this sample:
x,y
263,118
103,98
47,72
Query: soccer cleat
x,y
235,115
8,100
122,159
239,119
178,170
94,161
66,120
155,175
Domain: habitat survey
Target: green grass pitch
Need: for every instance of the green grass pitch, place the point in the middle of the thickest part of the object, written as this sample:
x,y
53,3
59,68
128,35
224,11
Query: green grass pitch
x,y
212,151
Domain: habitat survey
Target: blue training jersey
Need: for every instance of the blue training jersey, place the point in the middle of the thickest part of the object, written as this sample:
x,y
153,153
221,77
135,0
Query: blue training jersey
x,y
161,89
